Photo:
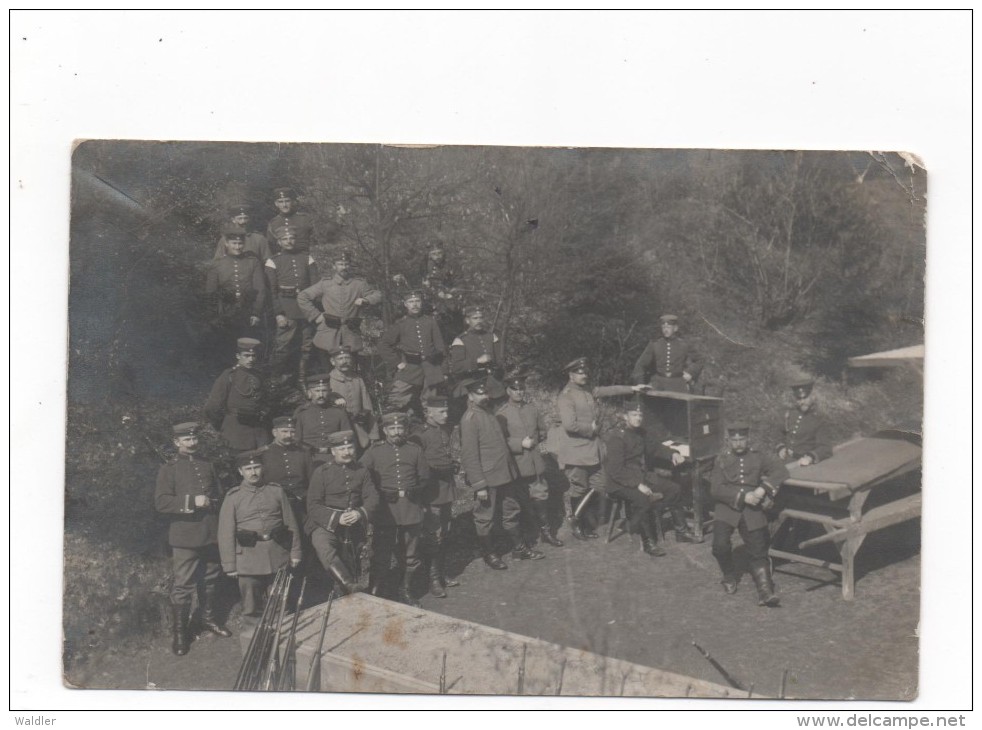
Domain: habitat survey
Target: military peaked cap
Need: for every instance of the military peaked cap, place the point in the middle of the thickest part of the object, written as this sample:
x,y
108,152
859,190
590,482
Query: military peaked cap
x,y
341,255
669,318
238,209
284,422
234,230
437,401
318,379
473,309
738,428
283,194
413,294
247,458
341,438
248,344
186,429
802,389
395,418
579,365
515,382
476,385
341,350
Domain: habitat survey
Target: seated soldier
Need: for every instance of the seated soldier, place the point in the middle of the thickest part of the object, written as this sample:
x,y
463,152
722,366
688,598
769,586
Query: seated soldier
x,y
806,436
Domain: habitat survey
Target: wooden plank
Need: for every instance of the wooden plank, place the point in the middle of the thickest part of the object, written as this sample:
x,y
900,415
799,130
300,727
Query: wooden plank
x,y
815,517
794,557
859,464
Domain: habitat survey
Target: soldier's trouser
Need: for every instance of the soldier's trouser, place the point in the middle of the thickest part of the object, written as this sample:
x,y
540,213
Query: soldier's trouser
x,y
403,541
253,589
504,503
536,488
755,540
329,547
190,566
584,478
290,344
671,491
401,395
641,506
436,522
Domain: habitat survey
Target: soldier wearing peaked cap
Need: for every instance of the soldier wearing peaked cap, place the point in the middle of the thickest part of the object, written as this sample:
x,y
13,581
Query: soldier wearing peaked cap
x,y
340,503
237,286
670,362
187,492
357,401
438,280
477,353
237,399
255,243
257,532
342,298
288,463
743,482
401,475
435,437
291,271
493,474
413,348
806,434
320,417
289,218
579,451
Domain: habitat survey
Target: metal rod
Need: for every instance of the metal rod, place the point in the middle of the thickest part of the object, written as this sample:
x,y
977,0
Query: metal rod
x,y
314,671
273,666
562,673
443,675
521,671
288,677
719,668
784,683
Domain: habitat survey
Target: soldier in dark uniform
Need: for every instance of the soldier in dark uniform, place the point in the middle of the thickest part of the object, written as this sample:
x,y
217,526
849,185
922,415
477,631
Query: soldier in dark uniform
x,y
237,286
341,299
350,387
493,475
340,503
644,490
435,437
579,452
413,348
289,218
257,533
255,243
288,463
525,431
291,271
235,404
188,492
400,474
670,362
806,436
438,280
743,483
320,417
477,353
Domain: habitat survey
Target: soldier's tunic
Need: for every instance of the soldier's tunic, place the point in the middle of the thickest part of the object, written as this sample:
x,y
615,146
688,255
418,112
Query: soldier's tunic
x,y
193,531
624,466
238,285
664,361
289,273
255,243
357,404
334,489
464,351
733,477
579,451
520,421
257,535
315,424
300,224
341,324
438,281
234,407
400,474
488,464
416,342
441,491
290,467
806,434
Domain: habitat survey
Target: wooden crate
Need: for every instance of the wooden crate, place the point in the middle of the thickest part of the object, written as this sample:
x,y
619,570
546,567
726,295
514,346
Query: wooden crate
x,y
696,420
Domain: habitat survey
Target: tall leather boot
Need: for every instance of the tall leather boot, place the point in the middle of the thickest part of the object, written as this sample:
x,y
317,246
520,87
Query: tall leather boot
x,y
405,590
683,533
180,615
648,542
343,580
545,529
208,619
436,585
728,570
441,566
765,587
492,560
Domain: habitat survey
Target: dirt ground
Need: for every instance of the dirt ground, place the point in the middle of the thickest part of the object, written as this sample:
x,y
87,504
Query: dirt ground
x,y
612,599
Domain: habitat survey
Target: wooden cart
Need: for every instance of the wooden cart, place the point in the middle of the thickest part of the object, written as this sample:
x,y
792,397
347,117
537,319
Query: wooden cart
x,y
867,485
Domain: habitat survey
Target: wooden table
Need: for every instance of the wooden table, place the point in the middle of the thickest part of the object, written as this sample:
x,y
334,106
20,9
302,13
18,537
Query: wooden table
x,y
836,494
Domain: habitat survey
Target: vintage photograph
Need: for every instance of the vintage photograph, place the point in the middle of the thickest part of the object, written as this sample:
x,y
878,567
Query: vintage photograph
x,y
487,420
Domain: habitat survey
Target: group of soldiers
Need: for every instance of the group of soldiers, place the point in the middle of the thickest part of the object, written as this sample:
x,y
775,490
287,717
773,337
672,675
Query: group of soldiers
x,y
371,496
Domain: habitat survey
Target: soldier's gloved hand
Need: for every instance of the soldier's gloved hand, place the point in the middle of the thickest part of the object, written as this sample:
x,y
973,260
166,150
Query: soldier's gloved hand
x,y
806,460
350,517
483,359
201,500
527,443
677,458
783,453
686,377
282,321
645,490
482,495
253,321
640,387
400,366
359,301
751,498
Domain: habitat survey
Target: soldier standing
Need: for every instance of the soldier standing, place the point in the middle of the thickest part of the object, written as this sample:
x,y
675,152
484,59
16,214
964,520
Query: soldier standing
x,y
525,431
289,218
400,474
291,271
806,436
319,417
439,282
743,482
287,463
255,243
257,533
342,298
350,388
237,286
435,437
579,452
477,353
493,475
413,348
340,503
670,362
235,404
187,491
